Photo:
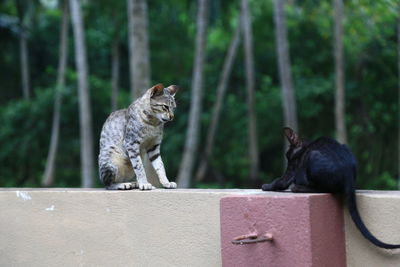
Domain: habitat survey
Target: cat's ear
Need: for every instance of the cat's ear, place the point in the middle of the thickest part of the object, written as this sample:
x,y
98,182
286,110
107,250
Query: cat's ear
x,y
156,90
172,89
292,137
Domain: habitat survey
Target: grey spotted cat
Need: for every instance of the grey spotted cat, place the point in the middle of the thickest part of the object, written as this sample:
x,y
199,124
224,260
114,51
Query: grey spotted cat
x,y
129,135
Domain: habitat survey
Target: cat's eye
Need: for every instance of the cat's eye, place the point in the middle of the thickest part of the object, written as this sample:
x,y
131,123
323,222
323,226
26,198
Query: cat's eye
x,y
165,107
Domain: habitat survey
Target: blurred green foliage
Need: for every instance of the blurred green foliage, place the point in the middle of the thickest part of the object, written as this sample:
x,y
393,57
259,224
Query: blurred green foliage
x,y
371,86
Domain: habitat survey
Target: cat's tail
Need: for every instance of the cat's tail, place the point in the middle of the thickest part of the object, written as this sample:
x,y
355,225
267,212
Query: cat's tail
x,y
107,174
355,215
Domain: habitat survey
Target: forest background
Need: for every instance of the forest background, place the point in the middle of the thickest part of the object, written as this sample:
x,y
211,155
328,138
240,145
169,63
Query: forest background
x,y
326,68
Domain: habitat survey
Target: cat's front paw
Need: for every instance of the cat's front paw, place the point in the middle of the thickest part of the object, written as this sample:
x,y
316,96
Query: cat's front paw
x,y
121,186
267,187
170,185
146,186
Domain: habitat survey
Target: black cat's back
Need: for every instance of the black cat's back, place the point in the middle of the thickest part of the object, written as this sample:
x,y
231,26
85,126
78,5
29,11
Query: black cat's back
x,y
330,164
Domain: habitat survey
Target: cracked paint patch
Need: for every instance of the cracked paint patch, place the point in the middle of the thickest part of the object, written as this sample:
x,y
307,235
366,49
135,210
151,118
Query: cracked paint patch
x,y
23,195
50,208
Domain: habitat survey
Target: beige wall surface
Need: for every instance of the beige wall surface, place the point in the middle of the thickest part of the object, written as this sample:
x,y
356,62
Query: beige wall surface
x,y
67,227
380,211
78,227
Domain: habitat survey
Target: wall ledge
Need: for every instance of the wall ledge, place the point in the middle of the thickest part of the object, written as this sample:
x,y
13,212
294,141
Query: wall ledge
x,y
191,190
98,227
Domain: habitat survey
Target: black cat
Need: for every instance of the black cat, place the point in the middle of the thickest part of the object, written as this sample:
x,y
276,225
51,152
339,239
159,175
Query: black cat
x,y
323,165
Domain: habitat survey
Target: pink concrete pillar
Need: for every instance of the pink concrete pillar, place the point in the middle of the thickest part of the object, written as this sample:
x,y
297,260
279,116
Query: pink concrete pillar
x,y
307,230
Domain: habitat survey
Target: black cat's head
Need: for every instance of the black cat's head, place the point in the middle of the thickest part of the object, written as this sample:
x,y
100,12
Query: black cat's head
x,y
294,153
296,144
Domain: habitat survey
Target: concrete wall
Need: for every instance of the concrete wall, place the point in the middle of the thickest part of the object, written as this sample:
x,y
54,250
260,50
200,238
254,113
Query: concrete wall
x,y
380,211
77,227
67,227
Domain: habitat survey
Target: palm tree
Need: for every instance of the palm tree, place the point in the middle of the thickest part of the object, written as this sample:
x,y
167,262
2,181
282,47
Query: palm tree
x,y
250,86
193,130
48,178
398,115
339,71
85,117
25,13
115,62
139,61
285,73
221,89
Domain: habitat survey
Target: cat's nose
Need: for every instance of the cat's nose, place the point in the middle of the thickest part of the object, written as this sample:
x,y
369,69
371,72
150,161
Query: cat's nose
x,y
171,116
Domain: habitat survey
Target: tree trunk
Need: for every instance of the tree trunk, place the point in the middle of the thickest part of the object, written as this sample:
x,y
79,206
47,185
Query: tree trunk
x,y
398,113
23,50
87,159
24,66
249,65
193,130
221,89
285,72
48,178
138,47
114,74
339,70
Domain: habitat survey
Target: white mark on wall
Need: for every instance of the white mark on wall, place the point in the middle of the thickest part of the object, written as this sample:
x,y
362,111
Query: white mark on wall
x,y
108,210
23,195
250,192
51,208
81,264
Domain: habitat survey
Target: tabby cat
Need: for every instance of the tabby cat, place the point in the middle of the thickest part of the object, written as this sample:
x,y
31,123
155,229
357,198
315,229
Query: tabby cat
x,y
129,135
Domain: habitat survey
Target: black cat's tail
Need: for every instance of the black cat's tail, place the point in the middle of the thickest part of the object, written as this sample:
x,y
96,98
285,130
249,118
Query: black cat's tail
x,y
355,215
